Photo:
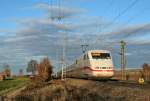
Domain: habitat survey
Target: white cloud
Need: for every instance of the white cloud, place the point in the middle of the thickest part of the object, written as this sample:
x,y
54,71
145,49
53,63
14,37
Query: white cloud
x,y
57,12
44,37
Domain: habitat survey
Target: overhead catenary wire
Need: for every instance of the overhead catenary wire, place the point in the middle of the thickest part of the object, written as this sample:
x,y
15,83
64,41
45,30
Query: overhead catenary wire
x,y
125,10
121,13
122,42
133,3
122,52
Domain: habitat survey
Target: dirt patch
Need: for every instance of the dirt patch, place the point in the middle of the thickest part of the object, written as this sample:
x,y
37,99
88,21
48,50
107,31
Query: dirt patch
x,y
82,90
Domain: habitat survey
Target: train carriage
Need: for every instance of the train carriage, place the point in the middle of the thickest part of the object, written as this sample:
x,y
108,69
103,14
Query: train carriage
x,y
94,64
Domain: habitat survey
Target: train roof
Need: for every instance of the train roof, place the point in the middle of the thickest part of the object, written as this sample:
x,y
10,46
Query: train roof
x,y
104,51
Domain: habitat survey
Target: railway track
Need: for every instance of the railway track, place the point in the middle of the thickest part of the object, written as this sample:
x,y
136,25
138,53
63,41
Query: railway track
x,y
125,84
119,83
131,84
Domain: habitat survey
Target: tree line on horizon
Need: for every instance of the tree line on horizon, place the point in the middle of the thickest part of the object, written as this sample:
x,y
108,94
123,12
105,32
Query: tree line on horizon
x,y
42,70
146,71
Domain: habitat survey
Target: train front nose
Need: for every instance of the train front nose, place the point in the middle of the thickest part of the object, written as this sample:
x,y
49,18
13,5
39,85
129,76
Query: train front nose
x,y
103,73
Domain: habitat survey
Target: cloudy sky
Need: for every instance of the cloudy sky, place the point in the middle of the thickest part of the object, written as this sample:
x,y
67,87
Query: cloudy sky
x,y
33,29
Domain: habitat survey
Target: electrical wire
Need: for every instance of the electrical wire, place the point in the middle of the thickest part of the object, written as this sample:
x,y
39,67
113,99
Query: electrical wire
x,y
123,12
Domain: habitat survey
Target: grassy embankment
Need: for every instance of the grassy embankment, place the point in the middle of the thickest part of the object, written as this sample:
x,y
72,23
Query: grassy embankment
x,y
10,85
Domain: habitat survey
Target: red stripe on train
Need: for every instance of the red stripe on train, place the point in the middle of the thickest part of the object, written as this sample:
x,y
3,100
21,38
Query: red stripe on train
x,y
97,70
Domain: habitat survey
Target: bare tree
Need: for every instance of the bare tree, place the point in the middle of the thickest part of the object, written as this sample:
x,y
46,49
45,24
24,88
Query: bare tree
x,y
45,69
32,66
146,71
20,72
7,70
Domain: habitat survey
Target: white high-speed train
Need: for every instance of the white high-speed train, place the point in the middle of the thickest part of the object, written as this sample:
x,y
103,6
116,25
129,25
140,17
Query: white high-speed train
x,y
93,63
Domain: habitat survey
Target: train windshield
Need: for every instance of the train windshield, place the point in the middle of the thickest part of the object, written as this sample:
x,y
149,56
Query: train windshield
x,y
100,55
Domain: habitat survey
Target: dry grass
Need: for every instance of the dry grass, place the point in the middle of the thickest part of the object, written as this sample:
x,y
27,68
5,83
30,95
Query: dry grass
x,y
82,90
10,85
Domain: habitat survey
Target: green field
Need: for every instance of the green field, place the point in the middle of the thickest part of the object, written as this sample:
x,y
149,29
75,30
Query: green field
x,y
10,85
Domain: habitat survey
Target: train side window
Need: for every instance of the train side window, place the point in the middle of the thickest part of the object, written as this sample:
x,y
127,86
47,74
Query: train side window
x,y
103,67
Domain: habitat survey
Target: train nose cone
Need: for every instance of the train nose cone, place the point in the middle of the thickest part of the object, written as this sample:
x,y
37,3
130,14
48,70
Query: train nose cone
x,y
103,73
